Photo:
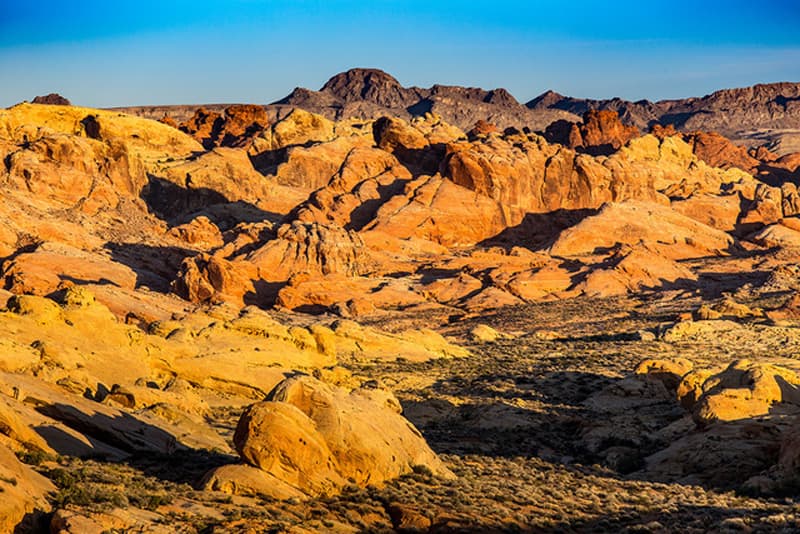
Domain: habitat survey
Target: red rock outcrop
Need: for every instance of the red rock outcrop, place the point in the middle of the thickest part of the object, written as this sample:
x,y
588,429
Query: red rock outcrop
x,y
718,151
169,121
308,250
235,126
662,131
601,132
482,129
203,126
508,176
538,177
366,177
630,270
206,278
241,123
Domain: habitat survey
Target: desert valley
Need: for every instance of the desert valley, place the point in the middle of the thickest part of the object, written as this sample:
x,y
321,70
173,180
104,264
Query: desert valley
x,y
380,308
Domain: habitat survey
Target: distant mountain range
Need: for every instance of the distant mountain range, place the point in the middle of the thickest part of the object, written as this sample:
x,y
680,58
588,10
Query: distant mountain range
x,y
773,106
372,92
764,113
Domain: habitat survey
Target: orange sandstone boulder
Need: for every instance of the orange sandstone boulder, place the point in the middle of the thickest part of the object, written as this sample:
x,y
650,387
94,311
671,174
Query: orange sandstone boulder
x,y
745,389
316,437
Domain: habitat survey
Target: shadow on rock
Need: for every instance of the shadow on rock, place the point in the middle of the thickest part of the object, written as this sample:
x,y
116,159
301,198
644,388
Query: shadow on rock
x,y
538,230
176,205
155,267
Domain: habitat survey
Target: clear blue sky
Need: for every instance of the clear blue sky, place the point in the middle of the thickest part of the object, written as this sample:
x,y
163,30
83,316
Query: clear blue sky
x,y
113,53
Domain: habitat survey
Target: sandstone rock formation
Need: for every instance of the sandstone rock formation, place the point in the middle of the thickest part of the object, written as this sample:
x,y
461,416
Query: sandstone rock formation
x,y
632,223
236,125
740,416
296,249
632,269
743,390
718,151
356,436
298,127
364,199
601,132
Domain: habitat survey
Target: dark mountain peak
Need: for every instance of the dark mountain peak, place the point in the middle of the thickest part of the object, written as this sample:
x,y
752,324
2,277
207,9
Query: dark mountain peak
x,y
501,97
372,85
359,77
53,99
547,99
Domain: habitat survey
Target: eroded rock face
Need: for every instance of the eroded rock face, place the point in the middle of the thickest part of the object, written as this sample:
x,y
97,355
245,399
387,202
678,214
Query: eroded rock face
x,y
203,126
235,126
508,177
718,151
310,248
632,269
408,144
49,267
634,222
538,177
76,172
601,132
199,232
297,128
219,176
366,178
209,278
242,123
315,437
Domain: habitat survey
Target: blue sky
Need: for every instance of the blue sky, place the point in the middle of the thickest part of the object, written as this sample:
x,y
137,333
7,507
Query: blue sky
x,y
113,53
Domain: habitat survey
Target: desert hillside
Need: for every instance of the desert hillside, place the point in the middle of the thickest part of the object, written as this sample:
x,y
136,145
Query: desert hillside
x,y
377,308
